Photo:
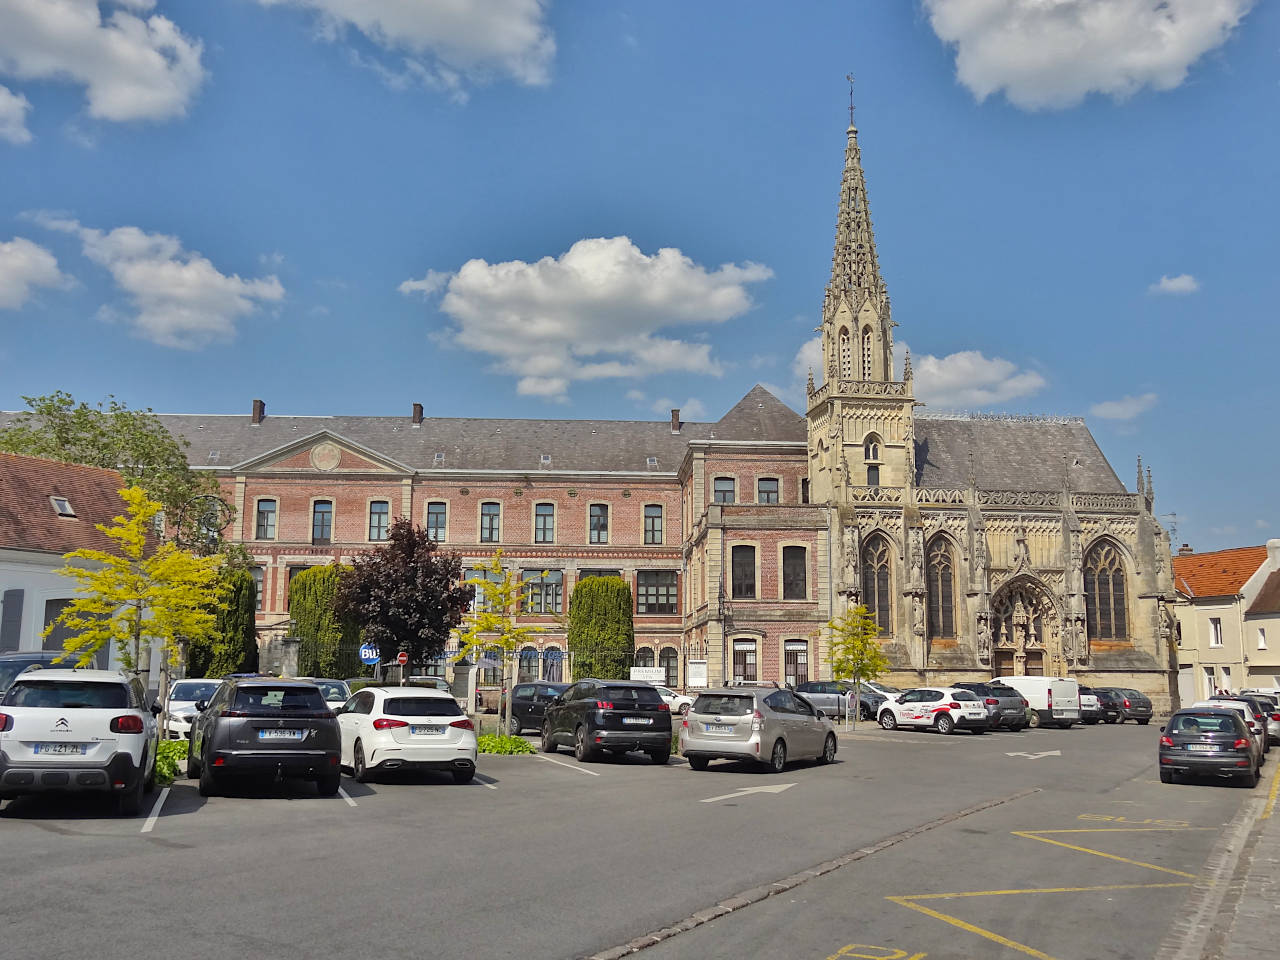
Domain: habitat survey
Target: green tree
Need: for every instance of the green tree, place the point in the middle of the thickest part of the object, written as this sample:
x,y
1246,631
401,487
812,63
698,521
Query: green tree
x,y
329,641
600,634
110,435
491,625
235,643
856,653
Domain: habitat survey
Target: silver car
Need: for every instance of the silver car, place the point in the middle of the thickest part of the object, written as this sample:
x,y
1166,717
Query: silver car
x,y
762,724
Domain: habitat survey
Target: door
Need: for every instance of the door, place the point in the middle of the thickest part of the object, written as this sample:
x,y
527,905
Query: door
x,y
1004,663
906,707
1034,666
809,728
923,713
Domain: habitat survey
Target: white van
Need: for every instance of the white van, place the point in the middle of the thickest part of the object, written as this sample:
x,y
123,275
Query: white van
x,y
1052,699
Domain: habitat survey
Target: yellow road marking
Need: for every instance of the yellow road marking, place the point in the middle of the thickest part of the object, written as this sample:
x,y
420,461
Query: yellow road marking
x,y
1165,829
1271,795
971,928
1007,893
1033,835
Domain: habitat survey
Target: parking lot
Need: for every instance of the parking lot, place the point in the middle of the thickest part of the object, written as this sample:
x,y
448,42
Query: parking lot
x,y
1051,844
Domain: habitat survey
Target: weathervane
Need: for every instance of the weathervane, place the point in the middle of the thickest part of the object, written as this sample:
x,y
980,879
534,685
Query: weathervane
x,y
849,77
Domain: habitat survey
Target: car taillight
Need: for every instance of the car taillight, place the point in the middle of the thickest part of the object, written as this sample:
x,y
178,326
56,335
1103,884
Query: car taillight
x,y
1050,693
233,713
126,724
1274,716
992,702
1025,704
1240,744
1126,703
685,723
663,706
757,720
604,704
463,724
953,705
386,723
6,722
1259,717
1166,742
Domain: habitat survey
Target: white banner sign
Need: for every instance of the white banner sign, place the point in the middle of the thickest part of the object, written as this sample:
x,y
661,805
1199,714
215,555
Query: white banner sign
x,y
695,673
649,674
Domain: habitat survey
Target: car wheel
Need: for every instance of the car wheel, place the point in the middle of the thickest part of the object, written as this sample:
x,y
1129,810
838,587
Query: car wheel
x,y
828,749
359,767
328,784
129,801
193,765
1034,722
464,776
513,727
864,712
778,758
1143,723
1018,728
582,751
1167,776
660,757
208,785
698,763
944,723
548,745
888,720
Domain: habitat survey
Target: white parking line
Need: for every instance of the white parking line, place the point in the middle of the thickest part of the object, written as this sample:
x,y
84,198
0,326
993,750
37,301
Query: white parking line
x,y
155,811
485,781
569,766
342,792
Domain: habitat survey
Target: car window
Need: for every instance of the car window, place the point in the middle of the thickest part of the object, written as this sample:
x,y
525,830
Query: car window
x,y
421,707
781,702
928,696
1192,723
68,695
630,695
727,705
523,693
1000,690
364,703
804,707
964,695
981,689
911,696
194,690
279,699
550,691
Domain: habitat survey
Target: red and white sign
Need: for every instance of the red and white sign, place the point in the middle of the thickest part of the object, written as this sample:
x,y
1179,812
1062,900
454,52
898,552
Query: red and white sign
x,y
402,658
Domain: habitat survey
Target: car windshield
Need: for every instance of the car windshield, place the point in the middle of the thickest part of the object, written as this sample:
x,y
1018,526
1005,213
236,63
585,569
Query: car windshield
x,y
724,705
1193,723
1134,694
631,695
332,689
981,689
421,707
283,699
1000,690
194,690
963,695
67,695
885,688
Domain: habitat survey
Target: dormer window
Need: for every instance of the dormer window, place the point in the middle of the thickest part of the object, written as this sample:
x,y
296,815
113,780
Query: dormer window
x,y
439,459
653,462
214,455
545,459
62,506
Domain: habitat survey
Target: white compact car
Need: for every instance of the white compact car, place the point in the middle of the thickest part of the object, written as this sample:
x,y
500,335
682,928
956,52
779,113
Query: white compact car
x,y
405,729
335,692
678,702
78,730
181,708
942,708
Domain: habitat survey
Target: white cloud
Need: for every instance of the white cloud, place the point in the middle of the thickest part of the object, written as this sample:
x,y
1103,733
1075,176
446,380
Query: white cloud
x,y
1262,524
691,409
443,44
1126,408
131,68
180,299
968,379
433,282
1181,284
24,265
593,313
1052,53
13,116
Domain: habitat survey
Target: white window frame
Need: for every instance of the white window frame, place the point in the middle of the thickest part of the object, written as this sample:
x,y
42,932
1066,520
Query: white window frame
x,y
1215,632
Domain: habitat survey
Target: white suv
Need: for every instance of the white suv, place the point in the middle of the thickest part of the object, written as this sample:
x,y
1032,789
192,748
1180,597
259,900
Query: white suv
x,y
406,728
78,730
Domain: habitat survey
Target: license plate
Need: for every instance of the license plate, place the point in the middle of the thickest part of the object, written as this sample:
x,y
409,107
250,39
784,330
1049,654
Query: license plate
x,y
61,749
637,721
1059,713
279,734
422,729
718,728
1202,747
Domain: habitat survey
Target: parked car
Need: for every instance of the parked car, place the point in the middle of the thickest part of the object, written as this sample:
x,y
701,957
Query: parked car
x,y
1053,700
941,708
335,692
529,704
13,664
436,683
180,709
614,715
835,698
760,724
1110,702
405,729
1134,705
1090,706
1260,716
1256,730
678,702
1006,707
78,730
1271,701
882,689
264,725
1207,741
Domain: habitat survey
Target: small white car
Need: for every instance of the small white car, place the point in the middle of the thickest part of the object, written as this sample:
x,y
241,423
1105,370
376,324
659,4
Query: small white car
x,y
388,729
181,708
78,730
942,708
335,692
678,702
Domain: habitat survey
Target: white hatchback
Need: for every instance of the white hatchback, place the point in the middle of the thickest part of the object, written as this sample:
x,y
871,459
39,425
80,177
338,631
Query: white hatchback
x,y
678,702
942,708
388,729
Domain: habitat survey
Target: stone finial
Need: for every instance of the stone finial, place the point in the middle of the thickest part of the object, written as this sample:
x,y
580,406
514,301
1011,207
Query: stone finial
x,y
1151,489
906,367
811,381
1140,488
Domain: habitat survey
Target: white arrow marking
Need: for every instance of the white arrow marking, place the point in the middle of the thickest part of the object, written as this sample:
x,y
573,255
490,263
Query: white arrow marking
x,y
778,788
1036,756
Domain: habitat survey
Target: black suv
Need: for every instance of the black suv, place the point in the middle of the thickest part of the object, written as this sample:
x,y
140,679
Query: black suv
x,y
529,704
612,715
1132,704
264,725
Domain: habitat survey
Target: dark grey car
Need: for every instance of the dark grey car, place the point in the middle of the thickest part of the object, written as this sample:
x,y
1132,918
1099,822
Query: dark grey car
x,y
1005,705
265,726
1207,742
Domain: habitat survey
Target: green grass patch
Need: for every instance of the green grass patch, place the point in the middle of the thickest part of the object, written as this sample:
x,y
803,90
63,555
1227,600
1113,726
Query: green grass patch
x,y
501,743
170,755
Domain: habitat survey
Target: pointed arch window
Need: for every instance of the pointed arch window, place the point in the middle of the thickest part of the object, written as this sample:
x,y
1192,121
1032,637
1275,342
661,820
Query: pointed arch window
x,y
846,355
866,353
940,587
1105,606
875,582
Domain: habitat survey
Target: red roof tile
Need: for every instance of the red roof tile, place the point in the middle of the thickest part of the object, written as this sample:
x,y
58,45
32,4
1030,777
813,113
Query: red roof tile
x,y
28,520
1218,574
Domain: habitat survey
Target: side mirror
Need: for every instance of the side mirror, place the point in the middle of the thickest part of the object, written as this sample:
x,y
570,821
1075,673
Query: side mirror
x,y
201,706
556,701
1162,729
821,715
156,709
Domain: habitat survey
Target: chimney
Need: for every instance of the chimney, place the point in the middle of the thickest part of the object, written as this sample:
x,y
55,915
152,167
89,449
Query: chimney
x,y
1273,552
417,414
1185,550
675,420
259,411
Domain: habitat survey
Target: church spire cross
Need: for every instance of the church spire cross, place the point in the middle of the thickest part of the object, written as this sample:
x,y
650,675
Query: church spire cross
x,y
855,270
849,77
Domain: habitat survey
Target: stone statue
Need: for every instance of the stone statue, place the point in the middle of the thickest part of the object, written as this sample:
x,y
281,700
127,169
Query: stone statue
x,y
850,543
1022,553
917,616
984,636
917,557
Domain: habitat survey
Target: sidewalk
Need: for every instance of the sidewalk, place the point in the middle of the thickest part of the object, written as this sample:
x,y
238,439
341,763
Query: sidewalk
x,y
1251,923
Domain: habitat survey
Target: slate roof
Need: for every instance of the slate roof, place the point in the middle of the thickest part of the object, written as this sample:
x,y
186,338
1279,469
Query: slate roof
x,y
28,520
1268,598
1220,573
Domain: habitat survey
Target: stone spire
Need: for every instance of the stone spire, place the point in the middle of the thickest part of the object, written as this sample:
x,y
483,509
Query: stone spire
x,y
906,368
1140,491
855,270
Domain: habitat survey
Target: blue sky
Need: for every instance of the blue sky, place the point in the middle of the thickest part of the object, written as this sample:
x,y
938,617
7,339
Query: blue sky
x,y
531,209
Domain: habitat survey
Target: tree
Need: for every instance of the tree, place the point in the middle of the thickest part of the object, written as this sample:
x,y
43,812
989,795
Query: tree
x,y
600,634
132,594
235,643
329,640
492,623
856,653
134,442
405,595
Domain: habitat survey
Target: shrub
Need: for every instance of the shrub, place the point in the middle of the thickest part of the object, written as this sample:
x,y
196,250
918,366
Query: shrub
x,y
501,743
170,755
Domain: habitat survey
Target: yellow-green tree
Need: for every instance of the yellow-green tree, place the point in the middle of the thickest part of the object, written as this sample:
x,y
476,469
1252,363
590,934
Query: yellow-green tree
x,y
491,624
133,597
856,653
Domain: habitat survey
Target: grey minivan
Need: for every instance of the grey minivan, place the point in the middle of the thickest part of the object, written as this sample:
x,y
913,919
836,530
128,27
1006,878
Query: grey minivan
x,y
265,726
755,723
1005,705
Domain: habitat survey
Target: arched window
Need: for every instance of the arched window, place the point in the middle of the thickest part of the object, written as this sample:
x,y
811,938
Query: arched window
x,y
875,582
873,475
553,665
846,355
644,657
527,670
669,660
871,448
940,586
866,353
1104,594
